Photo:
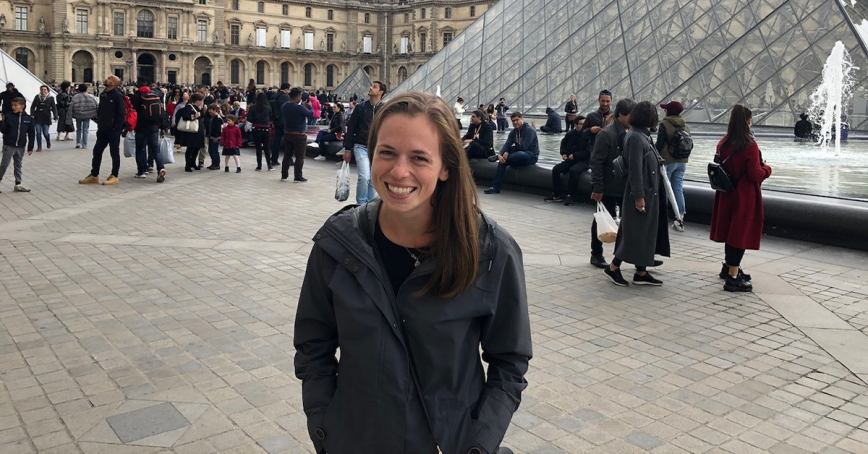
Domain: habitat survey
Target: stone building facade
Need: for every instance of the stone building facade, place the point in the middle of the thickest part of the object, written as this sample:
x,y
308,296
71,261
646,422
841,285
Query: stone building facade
x,y
314,43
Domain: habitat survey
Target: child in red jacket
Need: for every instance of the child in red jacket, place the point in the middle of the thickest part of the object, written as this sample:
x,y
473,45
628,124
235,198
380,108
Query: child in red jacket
x,y
231,140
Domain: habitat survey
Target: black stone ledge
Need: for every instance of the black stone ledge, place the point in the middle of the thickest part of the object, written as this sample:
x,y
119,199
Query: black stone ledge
x,y
824,220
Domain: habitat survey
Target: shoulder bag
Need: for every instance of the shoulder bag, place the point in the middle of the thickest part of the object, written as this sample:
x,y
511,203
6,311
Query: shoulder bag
x,y
718,178
188,126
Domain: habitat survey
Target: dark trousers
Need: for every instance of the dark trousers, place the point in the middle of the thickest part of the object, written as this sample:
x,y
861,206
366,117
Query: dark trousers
x,y
515,159
501,124
293,145
147,150
567,166
111,139
190,157
214,152
261,140
324,136
477,151
277,143
733,255
610,202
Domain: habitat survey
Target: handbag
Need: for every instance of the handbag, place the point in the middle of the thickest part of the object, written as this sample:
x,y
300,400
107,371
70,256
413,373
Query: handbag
x,y
189,126
718,178
607,229
619,167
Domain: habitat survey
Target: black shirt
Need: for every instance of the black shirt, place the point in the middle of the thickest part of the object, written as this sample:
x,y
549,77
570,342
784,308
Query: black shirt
x,y
397,259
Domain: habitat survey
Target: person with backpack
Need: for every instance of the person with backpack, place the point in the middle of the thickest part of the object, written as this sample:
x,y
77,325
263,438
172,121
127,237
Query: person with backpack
x,y
675,144
111,121
149,118
84,108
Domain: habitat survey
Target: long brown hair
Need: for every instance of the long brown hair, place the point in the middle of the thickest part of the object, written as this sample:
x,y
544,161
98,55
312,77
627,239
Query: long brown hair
x,y
738,131
455,201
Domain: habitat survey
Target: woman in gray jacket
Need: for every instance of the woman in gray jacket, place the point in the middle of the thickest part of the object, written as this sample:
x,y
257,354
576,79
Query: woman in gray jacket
x,y
642,231
84,107
409,287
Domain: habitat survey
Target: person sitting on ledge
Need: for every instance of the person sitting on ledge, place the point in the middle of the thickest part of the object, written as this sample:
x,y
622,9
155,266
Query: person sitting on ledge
x,y
553,123
521,149
576,155
803,128
479,140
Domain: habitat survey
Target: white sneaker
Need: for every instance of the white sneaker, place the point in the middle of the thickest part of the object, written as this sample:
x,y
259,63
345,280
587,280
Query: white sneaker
x,y
140,175
20,188
340,153
78,145
313,145
319,158
678,226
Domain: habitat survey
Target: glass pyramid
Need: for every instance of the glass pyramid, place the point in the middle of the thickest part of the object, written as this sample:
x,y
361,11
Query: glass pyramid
x,y
708,54
357,83
24,80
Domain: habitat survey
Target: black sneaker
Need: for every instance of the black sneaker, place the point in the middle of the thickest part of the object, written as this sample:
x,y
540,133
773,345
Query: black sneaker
x,y
568,200
300,180
737,284
492,191
657,263
724,272
599,261
615,277
553,198
647,279
492,158
258,168
238,170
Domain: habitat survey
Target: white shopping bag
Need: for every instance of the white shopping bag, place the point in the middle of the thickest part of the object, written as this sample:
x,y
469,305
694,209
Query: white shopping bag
x,y
607,229
167,151
130,145
342,190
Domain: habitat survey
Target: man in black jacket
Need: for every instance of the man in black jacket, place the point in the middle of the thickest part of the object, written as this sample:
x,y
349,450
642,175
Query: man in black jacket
x,y
110,119
6,98
18,131
553,122
280,98
575,153
605,187
596,119
479,140
356,140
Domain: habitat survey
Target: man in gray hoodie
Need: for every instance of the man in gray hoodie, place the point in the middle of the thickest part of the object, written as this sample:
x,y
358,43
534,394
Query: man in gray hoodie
x,y
521,149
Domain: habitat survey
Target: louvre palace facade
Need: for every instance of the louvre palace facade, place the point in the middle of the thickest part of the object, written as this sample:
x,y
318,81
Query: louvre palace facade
x,y
315,43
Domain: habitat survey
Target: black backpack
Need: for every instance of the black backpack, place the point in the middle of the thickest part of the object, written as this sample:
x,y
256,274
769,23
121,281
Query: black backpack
x,y
681,144
150,109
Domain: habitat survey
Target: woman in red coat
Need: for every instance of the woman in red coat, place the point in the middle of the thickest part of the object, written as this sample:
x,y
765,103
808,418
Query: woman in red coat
x,y
737,216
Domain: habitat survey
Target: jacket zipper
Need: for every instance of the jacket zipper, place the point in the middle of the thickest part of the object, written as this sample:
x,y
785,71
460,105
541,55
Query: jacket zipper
x,y
18,138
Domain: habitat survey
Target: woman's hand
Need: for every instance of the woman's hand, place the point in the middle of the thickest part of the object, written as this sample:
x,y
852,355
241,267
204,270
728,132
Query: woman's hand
x,y
640,205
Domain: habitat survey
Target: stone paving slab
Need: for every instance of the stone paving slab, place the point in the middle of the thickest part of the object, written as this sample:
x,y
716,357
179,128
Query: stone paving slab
x,y
119,299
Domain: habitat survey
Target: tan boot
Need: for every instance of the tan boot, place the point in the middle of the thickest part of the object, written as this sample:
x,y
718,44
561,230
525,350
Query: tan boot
x,y
111,181
90,179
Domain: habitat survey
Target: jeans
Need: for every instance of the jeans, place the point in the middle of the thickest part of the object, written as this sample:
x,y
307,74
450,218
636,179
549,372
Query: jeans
x,y
364,187
107,138
82,128
214,151
147,148
277,143
675,172
324,136
294,145
515,159
261,139
42,130
15,154
610,202
501,124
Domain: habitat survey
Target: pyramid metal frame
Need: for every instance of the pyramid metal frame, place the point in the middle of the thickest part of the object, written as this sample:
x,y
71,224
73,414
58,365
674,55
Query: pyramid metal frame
x,y
25,82
357,82
708,54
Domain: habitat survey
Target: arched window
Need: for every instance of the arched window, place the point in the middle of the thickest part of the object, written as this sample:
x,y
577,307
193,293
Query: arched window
x,y
145,24
22,56
260,7
234,72
284,73
423,13
448,13
307,12
402,74
260,72
330,76
331,14
286,10
367,18
308,75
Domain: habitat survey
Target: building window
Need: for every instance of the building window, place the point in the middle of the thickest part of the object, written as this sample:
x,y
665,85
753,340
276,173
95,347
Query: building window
x,y
172,27
173,77
308,75
21,56
448,13
202,31
308,40
119,19
330,76
367,18
447,37
235,5
260,7
405,44
285,38
286,10
234,34
307,12
331,14
260,37
366,44
284,73
472,11
260,72
145,24
81,21
402,74
330,42
234,72
423,13
423,42
406,18
21,18
203,2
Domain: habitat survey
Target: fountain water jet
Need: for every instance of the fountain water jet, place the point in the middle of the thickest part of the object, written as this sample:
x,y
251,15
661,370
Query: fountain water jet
x,y
833,95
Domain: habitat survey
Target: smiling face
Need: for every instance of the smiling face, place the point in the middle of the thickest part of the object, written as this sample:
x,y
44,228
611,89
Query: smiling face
x,y
43,90
407,166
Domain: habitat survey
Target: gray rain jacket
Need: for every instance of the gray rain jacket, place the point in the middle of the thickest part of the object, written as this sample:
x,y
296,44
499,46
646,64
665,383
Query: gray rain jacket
x,y
359,404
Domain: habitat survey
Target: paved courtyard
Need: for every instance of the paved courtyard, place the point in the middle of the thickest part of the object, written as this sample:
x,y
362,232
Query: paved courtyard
x,y
158,318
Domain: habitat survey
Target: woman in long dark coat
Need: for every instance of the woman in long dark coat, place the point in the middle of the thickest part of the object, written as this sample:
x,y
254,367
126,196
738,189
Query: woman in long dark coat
x,y
64,111
642,232
737,216
194,141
